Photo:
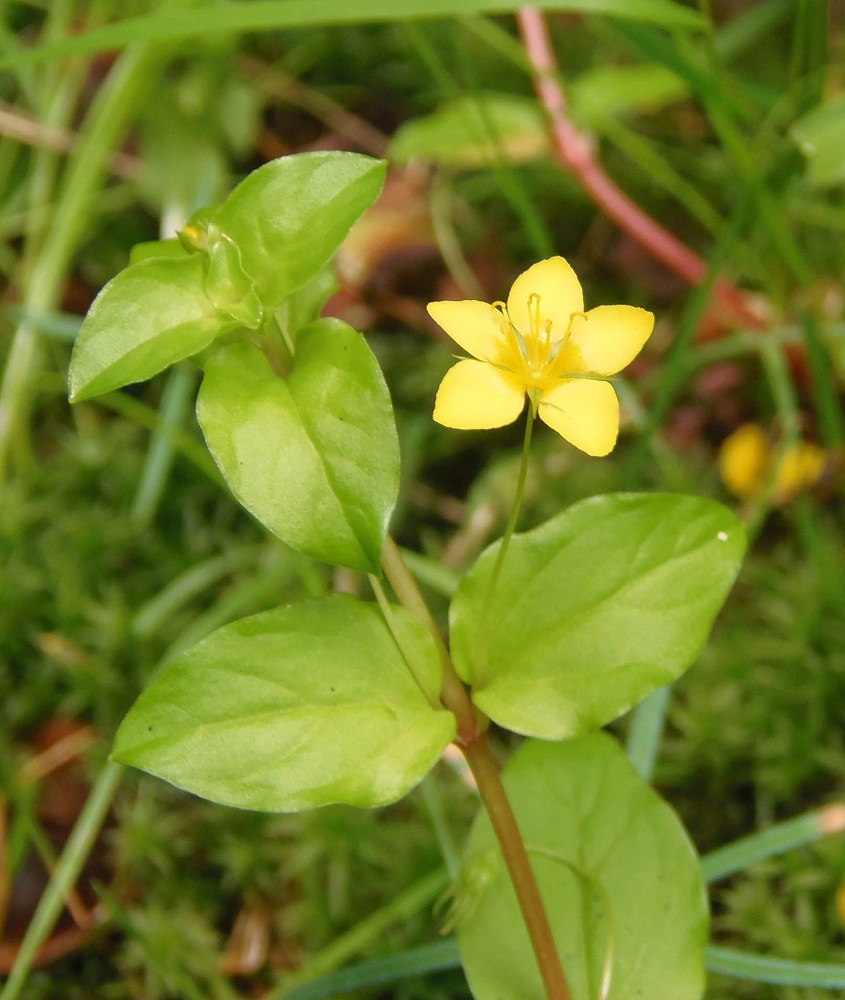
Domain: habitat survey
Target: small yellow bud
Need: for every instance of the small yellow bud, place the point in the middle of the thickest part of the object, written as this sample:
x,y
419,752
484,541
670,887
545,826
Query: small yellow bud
x,y
748,462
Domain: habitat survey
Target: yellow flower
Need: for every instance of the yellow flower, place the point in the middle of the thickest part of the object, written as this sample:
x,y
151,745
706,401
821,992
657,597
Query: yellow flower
x,y
749,462
743,461
541,344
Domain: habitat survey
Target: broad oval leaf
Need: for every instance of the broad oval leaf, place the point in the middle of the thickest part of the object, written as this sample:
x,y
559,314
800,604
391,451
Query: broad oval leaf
x,y
289,216
298,707
475,131
605,91
819,136
151,315
620,880
314,458
593,610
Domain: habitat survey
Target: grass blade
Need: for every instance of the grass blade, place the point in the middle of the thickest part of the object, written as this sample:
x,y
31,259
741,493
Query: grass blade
x,y
782,971
774,840
379,971
66,872
266,15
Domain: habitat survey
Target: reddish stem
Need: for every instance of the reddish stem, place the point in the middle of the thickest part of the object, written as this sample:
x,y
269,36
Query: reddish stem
x,y
493,795
575,153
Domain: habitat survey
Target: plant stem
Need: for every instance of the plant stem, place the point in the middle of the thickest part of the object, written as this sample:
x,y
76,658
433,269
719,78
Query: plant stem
x,y
472,739
410,653
453,694
486,774
575,154
516,510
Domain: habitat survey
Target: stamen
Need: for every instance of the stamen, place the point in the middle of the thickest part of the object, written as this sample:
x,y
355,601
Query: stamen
x,y
534,313
501,311
568,333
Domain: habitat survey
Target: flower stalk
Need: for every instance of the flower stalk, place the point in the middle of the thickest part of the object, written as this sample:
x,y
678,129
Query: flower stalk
x,y
516,509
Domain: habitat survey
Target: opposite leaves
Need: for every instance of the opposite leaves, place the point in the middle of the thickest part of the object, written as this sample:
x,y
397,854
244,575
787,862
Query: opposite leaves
x,y
298,707
595,608
274,233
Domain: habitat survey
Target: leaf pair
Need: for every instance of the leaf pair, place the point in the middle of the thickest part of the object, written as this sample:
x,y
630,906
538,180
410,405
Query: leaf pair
x,y
271,236
325,702
313,455
593,610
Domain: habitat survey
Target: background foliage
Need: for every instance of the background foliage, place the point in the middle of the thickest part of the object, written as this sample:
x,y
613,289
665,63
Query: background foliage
x,y
119,549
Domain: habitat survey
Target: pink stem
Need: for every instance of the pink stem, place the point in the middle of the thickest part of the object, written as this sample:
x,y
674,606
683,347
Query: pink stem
x,y
575,154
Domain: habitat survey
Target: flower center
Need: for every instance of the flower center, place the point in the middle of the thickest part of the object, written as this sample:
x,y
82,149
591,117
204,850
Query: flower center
x,y
535,356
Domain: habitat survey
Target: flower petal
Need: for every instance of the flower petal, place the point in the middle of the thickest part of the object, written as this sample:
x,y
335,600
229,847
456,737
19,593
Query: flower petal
x,y
474,396
559,291
609,337
585,412
475,326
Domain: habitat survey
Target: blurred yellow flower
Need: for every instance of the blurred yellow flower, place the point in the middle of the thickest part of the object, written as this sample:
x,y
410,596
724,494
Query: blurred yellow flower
x,y
541,344
747,464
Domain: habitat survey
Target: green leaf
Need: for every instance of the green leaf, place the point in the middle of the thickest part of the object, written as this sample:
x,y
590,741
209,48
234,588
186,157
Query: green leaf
x,y
595,608
305,304
474,131
149,316
819,135
157,248
605,91
314,458
288,217
298,707
619,878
